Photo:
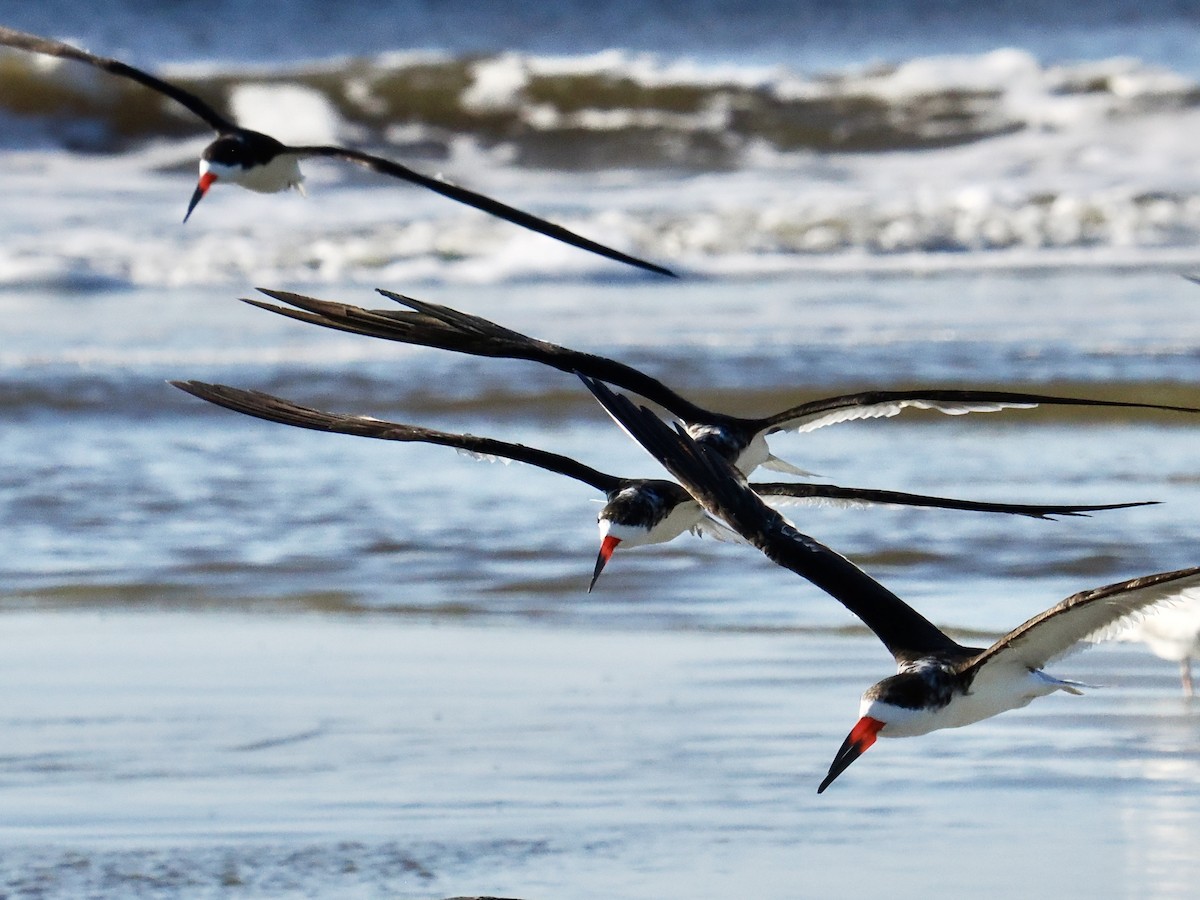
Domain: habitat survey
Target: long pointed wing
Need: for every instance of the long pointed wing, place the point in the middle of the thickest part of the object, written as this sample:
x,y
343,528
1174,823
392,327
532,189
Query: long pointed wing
x,y
337,316
1090,615
721,490
884,404
777,494
432,325
481,202
35,44
276,409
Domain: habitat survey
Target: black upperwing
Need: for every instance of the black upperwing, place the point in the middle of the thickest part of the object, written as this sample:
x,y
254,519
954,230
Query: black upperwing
x,y
722,491
882,404
276,409
784,493
480,202
432,325
35,44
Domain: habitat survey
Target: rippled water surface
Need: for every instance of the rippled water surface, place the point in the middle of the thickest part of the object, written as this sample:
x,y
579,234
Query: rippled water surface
x,y
250,659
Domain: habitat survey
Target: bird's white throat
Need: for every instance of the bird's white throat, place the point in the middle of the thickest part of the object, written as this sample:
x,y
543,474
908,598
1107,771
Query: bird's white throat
x,y
278,174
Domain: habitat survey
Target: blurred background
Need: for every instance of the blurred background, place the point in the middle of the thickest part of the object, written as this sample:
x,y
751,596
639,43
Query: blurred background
x,y
246,660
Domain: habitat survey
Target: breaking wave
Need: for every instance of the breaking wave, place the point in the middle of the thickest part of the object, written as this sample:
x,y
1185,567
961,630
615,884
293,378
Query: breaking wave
x,y
946,161
612,109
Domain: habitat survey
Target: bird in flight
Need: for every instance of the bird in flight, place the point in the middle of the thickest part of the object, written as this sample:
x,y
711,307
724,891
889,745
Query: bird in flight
x,y
637,511
939,682
742,440
259,162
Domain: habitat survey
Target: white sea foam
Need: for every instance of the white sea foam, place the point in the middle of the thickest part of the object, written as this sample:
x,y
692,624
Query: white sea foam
x,y
1103,171
288,112
654,71
498,83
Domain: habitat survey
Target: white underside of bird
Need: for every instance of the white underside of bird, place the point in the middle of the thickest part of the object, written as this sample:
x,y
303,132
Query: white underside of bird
x,y
279,174
684,517
997,689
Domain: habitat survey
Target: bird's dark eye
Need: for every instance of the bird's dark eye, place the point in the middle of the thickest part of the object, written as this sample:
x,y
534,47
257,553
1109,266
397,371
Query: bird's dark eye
x,y
226,150
243,148
633,506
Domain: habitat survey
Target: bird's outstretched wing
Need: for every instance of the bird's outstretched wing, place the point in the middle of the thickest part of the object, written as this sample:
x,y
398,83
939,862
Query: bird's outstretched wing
x,y
34,44
432,325
223,124
778,494
724,493
479,201
276,409
884,404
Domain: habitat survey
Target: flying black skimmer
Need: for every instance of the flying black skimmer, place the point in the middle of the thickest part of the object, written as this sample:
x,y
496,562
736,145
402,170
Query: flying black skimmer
x,y
939,682
259,162
637,511
1172,634
740,439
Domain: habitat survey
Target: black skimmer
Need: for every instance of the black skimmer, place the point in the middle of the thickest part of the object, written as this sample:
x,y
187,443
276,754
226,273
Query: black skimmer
x,y
1172,634
637,511
259,162
939,682
740,439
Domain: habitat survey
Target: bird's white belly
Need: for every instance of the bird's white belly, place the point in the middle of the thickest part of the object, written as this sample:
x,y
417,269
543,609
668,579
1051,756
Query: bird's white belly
x,y
996,695
278,174
683,517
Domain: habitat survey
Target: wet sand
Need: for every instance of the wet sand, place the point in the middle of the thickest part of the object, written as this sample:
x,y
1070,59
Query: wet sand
x,y
214,754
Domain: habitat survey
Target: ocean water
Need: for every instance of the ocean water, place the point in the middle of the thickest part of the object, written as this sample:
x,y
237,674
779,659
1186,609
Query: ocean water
x,y
1061,140
241,659
248,660
805,33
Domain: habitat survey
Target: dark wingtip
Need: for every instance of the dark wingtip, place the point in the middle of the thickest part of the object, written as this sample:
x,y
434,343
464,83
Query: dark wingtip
x,y
277,293
261,304
656,268
644,265
411,302
195,388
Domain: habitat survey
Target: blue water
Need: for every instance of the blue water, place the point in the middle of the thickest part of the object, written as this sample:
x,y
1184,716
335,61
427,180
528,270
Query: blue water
x,y
115,479
809,35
